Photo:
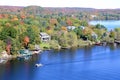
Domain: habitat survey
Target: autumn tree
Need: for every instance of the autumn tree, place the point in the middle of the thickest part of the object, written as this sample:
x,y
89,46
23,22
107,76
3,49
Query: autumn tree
x,y
26,40
63,28
53,21
69,22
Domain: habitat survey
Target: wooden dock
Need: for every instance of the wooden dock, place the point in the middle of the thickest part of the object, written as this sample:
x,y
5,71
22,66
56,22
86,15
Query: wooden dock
x,y
116,41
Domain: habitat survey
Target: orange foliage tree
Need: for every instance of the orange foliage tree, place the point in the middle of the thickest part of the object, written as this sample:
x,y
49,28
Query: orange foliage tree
x,y
53,21
26,41
8,47
22,16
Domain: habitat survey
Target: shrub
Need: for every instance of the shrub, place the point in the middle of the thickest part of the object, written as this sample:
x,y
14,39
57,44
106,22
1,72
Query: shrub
x,y
54,44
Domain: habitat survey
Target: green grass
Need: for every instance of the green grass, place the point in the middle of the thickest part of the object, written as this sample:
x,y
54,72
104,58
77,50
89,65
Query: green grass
x,y
83,43
44,45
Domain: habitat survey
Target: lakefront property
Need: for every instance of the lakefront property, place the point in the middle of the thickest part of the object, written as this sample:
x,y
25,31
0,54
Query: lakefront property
x,y
44,43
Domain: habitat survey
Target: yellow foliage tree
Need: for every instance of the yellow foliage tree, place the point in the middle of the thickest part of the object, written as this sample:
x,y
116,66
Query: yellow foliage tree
x,y
63,28
87,30
49,32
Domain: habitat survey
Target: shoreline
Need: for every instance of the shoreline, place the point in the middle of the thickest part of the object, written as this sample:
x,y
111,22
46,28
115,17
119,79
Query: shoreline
x,y
32,52
5,57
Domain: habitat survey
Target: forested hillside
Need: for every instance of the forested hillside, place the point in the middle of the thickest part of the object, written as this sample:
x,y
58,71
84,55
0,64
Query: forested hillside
x,y
20,27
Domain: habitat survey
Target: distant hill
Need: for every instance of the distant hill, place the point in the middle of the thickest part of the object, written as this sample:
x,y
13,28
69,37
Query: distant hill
x,y
96,14
39,9
7,9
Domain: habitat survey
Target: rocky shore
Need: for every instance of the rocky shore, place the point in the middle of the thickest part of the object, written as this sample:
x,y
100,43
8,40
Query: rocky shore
x,y
5,57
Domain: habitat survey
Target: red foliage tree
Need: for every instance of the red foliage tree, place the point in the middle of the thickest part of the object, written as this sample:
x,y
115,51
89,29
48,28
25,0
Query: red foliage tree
x,y
69,22
8,46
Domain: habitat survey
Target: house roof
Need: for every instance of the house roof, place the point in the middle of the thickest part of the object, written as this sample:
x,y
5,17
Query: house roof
x,y
81,27
44,34
71,27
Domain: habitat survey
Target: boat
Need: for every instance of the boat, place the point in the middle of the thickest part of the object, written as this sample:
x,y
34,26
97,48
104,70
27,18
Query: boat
x,y
36,51
3,60
24,57
38,65
98,44
24,52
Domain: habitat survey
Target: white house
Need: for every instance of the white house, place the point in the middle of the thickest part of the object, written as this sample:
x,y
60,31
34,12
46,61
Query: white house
x,y
94,35
71,27
81,27
44,37
93,16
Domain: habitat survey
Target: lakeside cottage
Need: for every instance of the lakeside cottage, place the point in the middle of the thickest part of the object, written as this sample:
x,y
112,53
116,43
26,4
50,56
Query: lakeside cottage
x,y
45,37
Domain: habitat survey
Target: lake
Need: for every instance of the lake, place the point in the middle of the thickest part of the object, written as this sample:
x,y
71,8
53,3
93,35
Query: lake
x,y
88,63
110,24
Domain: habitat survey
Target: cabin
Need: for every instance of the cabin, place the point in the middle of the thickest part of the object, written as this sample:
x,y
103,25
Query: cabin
x,y
44,37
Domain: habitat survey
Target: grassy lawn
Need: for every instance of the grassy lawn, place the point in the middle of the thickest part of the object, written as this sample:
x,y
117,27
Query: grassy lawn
x,y
44,45
83,43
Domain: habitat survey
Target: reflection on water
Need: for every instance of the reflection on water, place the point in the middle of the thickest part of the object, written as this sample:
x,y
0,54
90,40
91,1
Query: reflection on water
x,y
88,63
88,52
18,69
24,58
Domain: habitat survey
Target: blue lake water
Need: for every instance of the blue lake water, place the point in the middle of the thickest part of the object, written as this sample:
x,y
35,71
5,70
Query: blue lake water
x,y
88,63
110,24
